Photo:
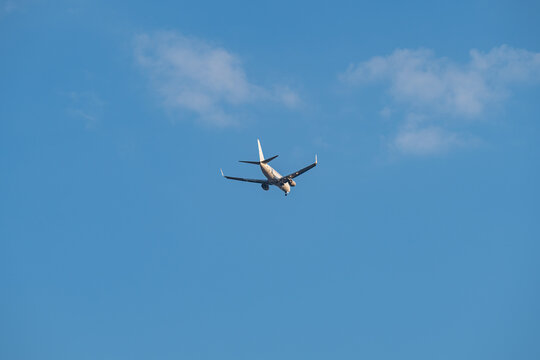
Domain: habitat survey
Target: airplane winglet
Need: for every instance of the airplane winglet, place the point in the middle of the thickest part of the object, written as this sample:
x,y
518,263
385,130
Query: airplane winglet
x,y
221,172
315,158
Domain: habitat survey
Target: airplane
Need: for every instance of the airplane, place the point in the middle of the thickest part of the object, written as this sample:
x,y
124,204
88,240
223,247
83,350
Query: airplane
x,y
272,176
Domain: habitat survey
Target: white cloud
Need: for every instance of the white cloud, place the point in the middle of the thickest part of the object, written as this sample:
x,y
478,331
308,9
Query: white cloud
x,y
428,140
207,80
439,87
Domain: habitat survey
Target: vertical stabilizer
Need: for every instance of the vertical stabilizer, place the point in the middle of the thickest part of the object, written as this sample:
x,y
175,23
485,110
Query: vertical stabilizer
x,y
261,156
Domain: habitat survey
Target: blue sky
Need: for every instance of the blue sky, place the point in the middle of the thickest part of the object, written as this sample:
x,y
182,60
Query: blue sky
x,y
416,237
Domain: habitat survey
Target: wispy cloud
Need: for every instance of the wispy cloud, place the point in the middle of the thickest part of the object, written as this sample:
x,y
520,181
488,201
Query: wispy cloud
x,y
86,106
193,75
429,140
421,83
7,7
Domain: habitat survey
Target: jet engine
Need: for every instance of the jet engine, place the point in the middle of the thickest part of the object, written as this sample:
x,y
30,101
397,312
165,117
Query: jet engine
x,y
265,186
291,182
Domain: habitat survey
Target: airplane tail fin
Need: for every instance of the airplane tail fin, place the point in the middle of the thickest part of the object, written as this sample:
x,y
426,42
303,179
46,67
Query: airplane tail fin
x,y
261,156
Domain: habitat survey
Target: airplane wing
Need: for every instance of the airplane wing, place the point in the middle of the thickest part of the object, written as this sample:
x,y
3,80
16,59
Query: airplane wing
x,y
244,179
301,171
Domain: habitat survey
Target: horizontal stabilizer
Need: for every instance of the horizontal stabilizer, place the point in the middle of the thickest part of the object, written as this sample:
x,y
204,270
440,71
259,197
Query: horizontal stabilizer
x,y
270,159
249,162
258,162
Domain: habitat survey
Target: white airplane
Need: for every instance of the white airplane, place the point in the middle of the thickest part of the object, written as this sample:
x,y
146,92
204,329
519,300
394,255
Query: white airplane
x,y
272,176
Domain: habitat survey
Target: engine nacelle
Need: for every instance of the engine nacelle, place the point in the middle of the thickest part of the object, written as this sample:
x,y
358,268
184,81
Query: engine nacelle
x,y
291,182
265,187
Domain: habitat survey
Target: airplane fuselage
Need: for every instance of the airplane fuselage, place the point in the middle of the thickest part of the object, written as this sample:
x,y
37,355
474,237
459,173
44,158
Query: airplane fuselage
x,y
274,178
